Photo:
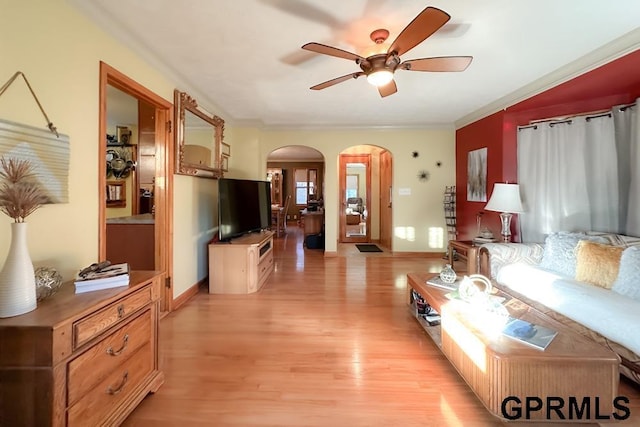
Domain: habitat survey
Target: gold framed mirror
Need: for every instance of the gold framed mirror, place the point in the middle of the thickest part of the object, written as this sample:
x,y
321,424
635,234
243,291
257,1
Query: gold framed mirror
x,y
199,137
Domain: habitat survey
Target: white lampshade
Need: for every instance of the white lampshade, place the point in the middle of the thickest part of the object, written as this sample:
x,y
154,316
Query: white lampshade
x,y
380,77
505,198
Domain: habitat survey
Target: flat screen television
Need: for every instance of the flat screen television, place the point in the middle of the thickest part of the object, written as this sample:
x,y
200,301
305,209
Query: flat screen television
x,y
244,206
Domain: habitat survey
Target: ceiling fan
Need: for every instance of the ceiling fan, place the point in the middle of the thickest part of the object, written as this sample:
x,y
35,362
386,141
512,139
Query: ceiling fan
x,y
380,67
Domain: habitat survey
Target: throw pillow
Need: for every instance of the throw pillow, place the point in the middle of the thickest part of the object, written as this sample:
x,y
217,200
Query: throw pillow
x,y
597,263
628,281
559,255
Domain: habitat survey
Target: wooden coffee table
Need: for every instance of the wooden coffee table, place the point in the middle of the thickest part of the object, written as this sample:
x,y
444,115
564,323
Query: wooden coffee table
x,y
572,370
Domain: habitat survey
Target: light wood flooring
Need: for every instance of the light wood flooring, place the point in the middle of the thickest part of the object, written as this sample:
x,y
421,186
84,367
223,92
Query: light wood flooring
x,y
326,342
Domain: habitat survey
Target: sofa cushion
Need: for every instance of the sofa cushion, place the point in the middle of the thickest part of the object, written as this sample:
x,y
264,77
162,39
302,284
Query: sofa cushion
x,y
559,254
601,310
628,281
597,263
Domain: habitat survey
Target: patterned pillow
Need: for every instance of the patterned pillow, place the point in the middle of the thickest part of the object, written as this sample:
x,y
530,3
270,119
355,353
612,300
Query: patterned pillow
x,y
617,239
628,281
559,253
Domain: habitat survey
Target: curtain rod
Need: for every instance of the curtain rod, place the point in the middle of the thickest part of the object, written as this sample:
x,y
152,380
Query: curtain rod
x,y
560,120
624,107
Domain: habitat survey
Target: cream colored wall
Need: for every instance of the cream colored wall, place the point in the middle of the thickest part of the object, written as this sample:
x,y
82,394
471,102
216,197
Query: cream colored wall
x,y
418,218
60,50
62,65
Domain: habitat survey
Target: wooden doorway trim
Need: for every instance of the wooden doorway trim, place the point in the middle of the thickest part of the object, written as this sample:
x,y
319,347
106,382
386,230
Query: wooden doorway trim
x,y
386,200
342,176
163,196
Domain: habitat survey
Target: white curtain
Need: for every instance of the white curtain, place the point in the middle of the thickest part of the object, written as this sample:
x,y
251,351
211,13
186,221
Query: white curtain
x,y
627,125
566,172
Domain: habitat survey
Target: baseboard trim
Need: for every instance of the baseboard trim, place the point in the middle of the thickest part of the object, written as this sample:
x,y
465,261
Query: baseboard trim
x,y
419,254
187,295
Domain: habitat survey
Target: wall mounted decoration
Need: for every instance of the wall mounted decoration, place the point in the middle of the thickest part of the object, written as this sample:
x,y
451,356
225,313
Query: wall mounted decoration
x,y
415,154
46,150
199,137
225,149
477,175
423,176
48,154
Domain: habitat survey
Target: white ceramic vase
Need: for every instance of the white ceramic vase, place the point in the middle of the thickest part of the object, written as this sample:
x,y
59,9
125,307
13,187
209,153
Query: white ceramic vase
x,y
17,279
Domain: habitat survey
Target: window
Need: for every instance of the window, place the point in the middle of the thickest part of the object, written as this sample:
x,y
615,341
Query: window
x,y
306,183
352,186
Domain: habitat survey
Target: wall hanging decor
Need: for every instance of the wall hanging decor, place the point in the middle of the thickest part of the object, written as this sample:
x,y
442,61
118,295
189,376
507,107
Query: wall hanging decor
x,y
477,175
45,149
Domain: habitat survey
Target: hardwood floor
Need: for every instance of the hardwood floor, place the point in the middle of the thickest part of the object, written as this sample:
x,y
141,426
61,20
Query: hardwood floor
x,y
327,342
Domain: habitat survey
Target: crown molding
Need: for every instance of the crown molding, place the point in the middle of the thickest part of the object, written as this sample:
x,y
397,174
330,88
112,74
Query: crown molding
x,y
619,47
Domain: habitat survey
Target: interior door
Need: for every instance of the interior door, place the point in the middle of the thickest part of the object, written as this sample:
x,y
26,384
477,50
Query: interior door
x,y
355,196
386,190
160,133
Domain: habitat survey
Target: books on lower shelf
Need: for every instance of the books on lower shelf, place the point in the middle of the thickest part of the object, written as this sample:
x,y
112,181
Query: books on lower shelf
x,y
536,336
111,277
424,310
438,282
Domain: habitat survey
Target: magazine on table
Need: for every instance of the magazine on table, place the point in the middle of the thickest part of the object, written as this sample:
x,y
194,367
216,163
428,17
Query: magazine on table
x,y
116,273
438,282
536,336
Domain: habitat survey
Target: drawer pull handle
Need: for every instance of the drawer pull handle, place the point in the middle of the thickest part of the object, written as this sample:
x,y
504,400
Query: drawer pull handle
x,y
120,311
112,352
113,391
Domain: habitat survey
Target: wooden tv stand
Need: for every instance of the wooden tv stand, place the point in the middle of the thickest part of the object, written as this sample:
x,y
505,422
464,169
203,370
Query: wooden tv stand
x,y
242,265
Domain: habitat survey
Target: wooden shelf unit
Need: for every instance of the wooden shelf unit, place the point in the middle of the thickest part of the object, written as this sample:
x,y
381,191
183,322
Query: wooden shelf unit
x,y
242,265
81,359
116,194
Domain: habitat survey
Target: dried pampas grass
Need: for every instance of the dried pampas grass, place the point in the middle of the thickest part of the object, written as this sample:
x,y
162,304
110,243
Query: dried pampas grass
x,y
20,194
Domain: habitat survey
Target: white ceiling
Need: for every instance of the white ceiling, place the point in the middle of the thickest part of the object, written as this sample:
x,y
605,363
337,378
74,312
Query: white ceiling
x,y
244,56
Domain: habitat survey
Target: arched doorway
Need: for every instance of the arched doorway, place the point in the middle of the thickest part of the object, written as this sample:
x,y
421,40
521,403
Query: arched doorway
x,y
297,171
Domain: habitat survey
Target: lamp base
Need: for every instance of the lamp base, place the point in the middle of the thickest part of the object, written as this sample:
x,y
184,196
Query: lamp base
x,y
505,220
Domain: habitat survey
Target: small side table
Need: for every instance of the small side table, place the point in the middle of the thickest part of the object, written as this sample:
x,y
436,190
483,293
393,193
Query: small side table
x,y
466,250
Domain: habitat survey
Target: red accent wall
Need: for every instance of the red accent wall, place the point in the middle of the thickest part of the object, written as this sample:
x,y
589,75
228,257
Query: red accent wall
x,y
617,82
483,133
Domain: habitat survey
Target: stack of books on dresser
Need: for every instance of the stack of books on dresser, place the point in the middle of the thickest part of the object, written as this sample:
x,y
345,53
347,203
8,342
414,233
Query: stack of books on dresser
x,y
110,276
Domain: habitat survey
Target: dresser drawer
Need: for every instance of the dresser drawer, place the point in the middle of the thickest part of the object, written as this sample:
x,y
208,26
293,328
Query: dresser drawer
x,y
264,269
91,326
97,362
114,389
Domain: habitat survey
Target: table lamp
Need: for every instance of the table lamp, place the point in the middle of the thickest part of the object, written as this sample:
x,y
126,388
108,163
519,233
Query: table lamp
x,y
506,200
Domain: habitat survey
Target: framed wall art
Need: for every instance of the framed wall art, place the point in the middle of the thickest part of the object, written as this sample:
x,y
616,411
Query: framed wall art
x,y
477,175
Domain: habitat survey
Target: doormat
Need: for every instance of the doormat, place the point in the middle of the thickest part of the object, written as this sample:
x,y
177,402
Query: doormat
x,y
368,248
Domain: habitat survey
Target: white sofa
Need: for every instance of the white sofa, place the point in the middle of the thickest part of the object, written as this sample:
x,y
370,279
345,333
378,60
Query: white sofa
x,y
572,283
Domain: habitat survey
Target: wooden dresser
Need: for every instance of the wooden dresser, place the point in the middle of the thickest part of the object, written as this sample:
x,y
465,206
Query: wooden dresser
x,y
81,360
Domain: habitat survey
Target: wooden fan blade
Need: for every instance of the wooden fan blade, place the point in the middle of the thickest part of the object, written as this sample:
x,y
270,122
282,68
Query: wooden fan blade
x,y
388,89
422,26
335,81
437,64
331,51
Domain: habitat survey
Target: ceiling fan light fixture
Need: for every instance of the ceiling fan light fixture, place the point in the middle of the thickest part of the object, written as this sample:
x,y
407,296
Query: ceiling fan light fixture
x,y
380,77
